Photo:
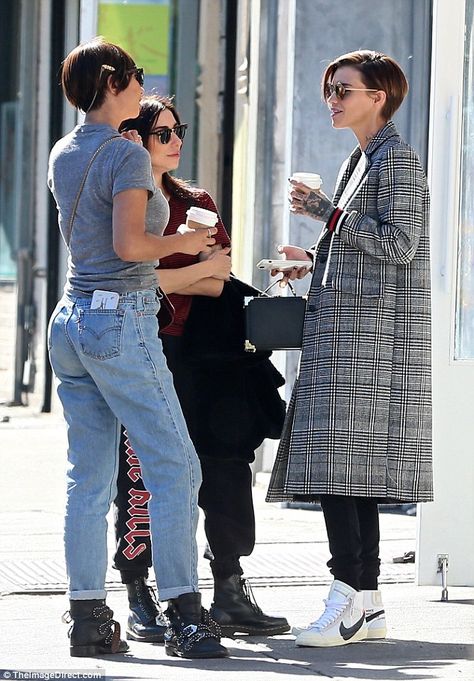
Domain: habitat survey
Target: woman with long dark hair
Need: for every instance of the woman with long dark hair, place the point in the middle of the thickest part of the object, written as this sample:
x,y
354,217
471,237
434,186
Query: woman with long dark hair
x,y
217,398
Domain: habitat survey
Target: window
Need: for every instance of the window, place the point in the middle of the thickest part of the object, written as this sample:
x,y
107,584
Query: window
x,y
464,341
142,27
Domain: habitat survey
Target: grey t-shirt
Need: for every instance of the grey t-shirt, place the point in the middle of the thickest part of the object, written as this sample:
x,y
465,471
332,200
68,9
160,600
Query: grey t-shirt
x,y
120,165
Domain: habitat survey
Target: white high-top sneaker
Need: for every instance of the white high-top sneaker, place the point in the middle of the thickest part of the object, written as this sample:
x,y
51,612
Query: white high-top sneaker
x,y
342,622
374,614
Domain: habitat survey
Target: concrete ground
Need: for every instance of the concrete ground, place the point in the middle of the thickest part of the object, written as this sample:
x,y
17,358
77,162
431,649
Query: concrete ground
x,y
428,639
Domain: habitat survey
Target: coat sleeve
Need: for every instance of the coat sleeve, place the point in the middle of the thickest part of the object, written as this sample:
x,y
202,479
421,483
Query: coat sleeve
x,y
401,196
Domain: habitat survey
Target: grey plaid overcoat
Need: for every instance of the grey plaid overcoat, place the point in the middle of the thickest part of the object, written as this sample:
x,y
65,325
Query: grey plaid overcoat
x,y
359,419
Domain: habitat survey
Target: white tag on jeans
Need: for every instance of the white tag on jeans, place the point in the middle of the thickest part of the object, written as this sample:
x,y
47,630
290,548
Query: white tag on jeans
x,y
104,300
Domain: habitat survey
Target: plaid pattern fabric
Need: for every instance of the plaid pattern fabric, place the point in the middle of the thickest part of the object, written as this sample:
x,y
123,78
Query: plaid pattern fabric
x,y
359,420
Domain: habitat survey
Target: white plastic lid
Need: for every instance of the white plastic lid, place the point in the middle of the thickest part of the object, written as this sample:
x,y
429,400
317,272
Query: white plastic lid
x,y
312,180
201,215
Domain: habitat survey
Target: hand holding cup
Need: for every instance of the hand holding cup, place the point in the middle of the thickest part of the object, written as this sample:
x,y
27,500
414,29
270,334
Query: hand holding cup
x,y
301,185
194,241
306,197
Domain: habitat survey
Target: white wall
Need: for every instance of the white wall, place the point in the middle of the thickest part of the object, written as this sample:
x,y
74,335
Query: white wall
x,y
447,525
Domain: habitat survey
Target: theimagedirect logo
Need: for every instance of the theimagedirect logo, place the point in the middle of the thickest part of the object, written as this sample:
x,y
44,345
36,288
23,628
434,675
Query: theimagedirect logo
x,y
47,674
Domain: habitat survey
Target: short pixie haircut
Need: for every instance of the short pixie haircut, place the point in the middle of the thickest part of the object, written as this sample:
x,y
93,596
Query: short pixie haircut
x,y
83,78
378,71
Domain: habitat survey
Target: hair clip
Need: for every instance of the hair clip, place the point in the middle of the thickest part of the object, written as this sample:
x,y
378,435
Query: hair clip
x,y
104,67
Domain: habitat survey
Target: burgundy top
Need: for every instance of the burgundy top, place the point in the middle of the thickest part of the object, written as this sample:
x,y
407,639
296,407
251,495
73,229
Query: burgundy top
x,y
178,208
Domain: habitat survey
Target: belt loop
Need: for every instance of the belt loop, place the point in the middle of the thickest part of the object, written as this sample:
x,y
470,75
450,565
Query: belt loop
x,y
140,305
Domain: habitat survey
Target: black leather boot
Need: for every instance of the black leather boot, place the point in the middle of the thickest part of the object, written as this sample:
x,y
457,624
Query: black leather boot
x,y
191,634
235,610
93,631
146,621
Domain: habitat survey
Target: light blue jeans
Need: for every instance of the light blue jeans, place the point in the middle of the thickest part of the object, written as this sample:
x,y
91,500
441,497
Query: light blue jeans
x,y
111,369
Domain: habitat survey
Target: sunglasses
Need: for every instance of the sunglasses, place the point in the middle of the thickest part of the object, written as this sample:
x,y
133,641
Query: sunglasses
x,y
164,134
106,68
340,90
139,74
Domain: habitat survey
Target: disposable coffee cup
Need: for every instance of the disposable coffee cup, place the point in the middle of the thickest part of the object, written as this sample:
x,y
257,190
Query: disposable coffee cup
x,y
311,180
200,218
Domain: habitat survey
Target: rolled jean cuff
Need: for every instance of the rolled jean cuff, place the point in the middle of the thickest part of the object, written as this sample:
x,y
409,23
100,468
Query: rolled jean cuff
x,y
174,592
97,595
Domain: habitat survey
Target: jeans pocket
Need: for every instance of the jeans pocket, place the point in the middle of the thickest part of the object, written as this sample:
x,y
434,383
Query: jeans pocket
x,y
100,333
55,320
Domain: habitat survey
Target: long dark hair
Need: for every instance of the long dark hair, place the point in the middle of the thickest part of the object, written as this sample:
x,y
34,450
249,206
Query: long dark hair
x,y
150,108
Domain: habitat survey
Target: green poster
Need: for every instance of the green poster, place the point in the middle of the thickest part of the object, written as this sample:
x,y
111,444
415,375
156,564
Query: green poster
x,y
141,29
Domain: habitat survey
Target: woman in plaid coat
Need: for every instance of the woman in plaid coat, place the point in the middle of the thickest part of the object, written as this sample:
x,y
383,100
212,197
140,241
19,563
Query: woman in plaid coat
x,y
358,428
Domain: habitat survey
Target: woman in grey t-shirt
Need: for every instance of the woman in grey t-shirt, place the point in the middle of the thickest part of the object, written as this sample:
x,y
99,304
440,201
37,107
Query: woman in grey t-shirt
x,y
105,353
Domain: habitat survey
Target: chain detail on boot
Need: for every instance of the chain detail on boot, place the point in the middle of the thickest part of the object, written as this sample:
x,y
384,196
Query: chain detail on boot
x,y
192,633
109,627
213,626
93,630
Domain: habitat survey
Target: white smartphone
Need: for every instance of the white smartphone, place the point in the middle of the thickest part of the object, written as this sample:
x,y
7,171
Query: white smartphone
x,y
283,265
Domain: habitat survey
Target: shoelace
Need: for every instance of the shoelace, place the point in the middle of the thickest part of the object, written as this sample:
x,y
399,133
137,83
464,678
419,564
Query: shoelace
x,y
331,613
149,603
248,593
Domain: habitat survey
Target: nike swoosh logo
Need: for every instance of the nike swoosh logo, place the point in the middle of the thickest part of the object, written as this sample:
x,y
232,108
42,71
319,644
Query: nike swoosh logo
x,y
349,632
371,617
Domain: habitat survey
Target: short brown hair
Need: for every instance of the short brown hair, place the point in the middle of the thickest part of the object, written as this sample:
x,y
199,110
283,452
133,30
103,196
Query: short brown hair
x,y
83,78
378,71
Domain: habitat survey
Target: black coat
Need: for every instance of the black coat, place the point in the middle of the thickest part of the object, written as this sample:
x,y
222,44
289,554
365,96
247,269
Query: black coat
x,y
239,404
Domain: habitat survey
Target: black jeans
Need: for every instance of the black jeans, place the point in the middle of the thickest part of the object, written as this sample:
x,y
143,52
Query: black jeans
x,y
225,495
352,525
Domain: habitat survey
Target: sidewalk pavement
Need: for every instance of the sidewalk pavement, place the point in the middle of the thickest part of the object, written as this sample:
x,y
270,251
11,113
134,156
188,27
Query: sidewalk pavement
x,y
428,639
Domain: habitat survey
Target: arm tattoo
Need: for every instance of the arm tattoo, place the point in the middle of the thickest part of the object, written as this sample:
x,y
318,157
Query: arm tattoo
x,y
317,206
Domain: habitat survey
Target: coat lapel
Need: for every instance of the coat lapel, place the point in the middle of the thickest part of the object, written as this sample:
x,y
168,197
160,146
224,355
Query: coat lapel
x,y
357,167
355,181
346,173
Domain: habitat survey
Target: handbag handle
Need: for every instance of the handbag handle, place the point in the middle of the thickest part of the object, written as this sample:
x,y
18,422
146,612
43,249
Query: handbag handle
x,y
83,182
290,285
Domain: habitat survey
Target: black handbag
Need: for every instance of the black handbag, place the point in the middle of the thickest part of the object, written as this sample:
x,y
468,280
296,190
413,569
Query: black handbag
x,y
238,388
274,322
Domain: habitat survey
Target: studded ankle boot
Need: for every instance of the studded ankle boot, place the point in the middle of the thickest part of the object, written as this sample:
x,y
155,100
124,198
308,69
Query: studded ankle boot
x,y
191,634
235,610
146,621
93,631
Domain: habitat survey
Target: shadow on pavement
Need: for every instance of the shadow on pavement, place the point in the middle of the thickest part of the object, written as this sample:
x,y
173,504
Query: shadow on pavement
x,y
389,660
